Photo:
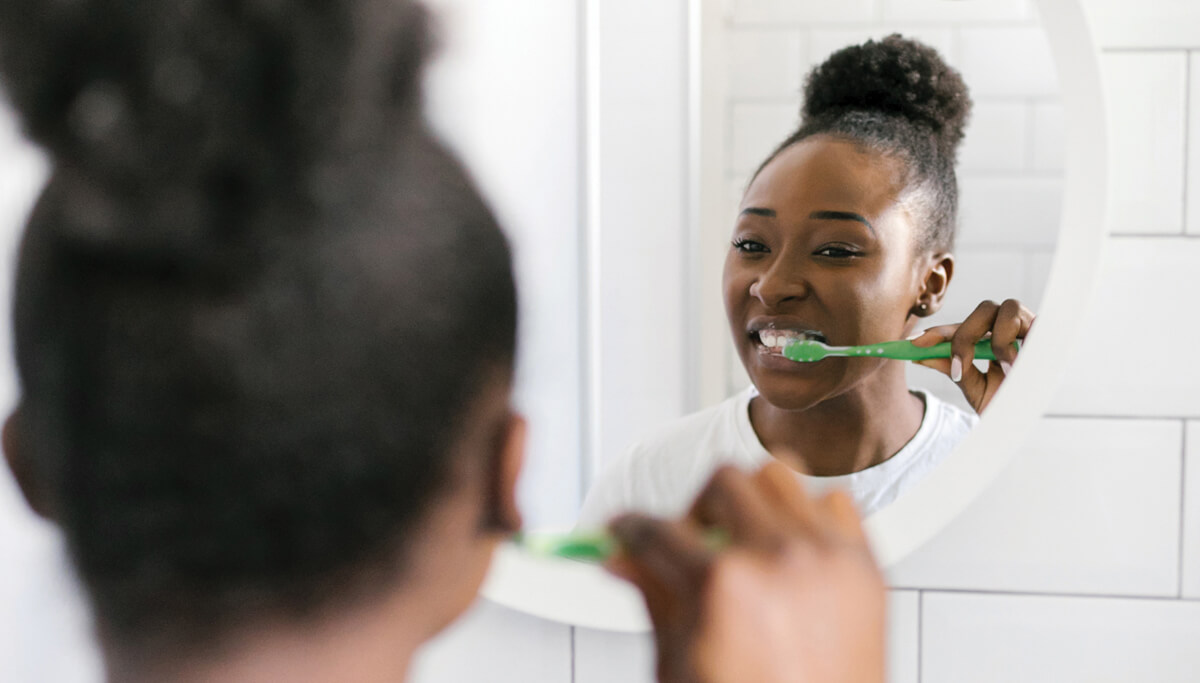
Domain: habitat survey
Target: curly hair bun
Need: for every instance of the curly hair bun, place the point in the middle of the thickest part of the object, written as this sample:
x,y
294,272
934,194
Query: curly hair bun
x,y
166,118
894,76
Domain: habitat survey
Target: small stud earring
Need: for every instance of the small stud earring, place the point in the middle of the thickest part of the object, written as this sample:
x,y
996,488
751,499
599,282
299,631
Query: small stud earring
x,y
923,308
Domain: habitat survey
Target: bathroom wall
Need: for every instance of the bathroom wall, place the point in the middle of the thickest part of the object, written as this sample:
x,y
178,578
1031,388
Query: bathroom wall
x,y
1082,562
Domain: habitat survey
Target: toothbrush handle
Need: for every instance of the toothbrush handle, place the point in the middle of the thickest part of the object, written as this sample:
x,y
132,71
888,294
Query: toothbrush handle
x,y
905,350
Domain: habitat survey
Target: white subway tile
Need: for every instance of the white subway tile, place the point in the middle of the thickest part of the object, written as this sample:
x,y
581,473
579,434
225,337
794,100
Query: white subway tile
x,y
766,62
1191,512
1009,211
826,40
996,137
1145,290
1037,276
757,130
980,274
499,645
904,637
607,656
985,638
803,11
1087,506
1146,123
1049,137
940,11
1148,24
1007,62
1192,203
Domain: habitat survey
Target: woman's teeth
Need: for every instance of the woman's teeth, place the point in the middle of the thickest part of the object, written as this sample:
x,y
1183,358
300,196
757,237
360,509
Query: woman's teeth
x,y
776,340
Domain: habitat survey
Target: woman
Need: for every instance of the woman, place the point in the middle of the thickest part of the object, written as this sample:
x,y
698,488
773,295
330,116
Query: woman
x,y
844,235
240,401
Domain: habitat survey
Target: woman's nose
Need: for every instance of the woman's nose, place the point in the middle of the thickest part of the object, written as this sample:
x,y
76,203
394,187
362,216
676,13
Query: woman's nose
x,y
779,283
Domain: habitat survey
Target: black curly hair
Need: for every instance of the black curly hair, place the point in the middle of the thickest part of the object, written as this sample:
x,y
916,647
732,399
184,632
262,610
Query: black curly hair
x,y
895,97
240,300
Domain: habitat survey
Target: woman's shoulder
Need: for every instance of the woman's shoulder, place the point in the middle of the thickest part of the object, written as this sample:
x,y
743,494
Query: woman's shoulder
x,y
660,472
703,430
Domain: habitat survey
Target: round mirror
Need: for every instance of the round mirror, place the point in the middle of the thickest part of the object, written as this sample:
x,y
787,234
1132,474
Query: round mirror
x,y
647,336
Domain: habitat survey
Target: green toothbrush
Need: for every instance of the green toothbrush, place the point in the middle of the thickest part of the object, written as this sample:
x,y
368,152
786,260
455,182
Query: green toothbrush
x,y
590,546
810,350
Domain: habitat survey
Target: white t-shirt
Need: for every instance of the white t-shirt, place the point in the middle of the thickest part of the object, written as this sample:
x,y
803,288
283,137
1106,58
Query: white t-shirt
x,y
663,474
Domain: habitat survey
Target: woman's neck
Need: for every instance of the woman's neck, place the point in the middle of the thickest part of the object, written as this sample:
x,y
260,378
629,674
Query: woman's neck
x,y
847,433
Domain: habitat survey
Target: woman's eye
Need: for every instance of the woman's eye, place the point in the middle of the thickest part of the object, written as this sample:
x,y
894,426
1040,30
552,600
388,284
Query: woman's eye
x,y
749,246
835,251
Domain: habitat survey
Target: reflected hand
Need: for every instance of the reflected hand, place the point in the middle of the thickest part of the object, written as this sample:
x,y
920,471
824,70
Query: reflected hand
x,y
795,596
1006,322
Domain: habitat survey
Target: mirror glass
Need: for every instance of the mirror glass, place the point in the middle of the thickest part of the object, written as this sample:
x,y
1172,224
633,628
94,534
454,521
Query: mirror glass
x,y
619,177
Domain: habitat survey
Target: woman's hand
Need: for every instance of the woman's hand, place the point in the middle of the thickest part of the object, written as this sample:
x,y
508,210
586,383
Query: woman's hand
x,y
1006,322
794,596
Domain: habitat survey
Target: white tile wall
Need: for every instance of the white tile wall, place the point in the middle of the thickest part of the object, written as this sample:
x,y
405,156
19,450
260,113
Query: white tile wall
x,y
803,11
498,645
767,63
1190,580
1192,172
757,129
1146,103
1129,24
1093,503
1007,62
1003,140
1009,210
1089,506
605,656
904,636
959,12
1049,132
827,40
1152,281
984,638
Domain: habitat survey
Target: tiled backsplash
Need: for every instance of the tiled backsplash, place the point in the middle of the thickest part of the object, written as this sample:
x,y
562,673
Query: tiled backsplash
x,y
1083,561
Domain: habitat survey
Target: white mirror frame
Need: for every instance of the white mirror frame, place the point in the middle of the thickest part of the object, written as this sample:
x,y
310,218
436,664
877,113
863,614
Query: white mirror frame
x,y
584,595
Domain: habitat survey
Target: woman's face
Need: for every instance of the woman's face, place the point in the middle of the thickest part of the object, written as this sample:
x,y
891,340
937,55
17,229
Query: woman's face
x,y
821,248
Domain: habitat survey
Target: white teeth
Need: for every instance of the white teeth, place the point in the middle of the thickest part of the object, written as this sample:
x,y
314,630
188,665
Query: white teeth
x,y
778,339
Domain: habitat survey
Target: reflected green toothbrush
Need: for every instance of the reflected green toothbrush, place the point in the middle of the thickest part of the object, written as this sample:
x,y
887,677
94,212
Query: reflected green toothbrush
x,y
591,546
809,350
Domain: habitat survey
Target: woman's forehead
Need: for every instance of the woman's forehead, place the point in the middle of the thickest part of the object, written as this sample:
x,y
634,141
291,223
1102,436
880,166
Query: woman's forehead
x,y
822,173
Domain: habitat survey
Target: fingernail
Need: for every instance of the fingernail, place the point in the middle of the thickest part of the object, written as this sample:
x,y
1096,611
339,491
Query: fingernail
x,y
1006,366
956,369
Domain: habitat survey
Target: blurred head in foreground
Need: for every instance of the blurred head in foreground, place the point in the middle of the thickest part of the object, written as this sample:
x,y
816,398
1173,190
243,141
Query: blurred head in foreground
x,y
240,310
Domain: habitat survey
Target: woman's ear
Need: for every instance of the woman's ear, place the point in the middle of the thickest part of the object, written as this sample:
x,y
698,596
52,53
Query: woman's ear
x,y
504,514
18,459
938,272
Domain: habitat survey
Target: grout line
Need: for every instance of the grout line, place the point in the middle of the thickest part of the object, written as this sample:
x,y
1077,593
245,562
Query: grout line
x,y
1152,49
998,592
1182,499
1132,418
888,24
572,654
1187,118
1187,136
1153,235
920,634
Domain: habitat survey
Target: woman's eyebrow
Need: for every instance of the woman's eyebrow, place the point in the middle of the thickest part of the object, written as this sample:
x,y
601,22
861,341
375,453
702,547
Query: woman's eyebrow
x,y
758,211
840,216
